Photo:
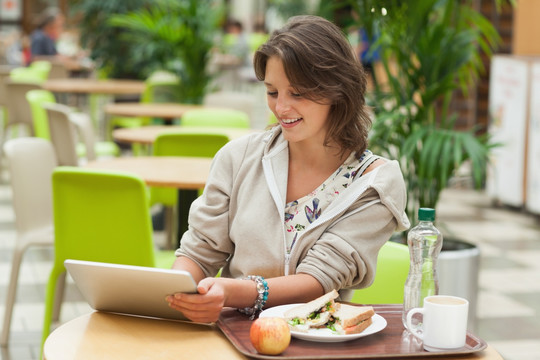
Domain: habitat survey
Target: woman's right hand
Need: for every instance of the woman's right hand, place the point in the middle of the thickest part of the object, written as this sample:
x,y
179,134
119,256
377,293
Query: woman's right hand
x,y
206,305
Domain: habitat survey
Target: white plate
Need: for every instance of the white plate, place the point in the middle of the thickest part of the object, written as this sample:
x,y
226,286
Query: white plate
x,y
325,335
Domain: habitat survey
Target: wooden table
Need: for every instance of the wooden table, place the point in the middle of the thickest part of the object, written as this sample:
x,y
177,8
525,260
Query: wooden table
x,y
158,110
146,135
188,173
95,86
110,336
100,90
105,336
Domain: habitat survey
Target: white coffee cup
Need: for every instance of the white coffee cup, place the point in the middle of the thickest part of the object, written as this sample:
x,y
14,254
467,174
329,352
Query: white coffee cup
x,y
444,325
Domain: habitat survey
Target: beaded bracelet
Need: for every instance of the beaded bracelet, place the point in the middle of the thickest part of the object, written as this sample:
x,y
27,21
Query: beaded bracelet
x,y
262,296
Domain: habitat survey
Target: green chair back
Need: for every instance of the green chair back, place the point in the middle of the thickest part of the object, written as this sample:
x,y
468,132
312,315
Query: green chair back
x,y
36,99
392,271
256,39
216,118
183,144
98,216
42,66
28,74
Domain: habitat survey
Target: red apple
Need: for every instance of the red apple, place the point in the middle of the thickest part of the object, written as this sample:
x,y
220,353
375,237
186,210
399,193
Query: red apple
x,y
270,336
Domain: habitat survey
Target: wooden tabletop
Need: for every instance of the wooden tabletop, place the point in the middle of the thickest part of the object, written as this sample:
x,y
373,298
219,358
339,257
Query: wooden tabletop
x,y
94,86
147,134
106,336
159,110
110,336
188,173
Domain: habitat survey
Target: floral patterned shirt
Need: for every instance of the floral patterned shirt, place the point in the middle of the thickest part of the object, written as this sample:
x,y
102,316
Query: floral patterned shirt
x,y
302,212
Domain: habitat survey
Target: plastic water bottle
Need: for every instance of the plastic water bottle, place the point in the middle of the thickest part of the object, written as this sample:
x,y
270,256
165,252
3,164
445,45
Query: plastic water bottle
x,y
425,242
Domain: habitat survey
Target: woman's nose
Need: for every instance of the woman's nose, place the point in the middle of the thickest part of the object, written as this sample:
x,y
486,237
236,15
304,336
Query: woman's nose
x,y
282,105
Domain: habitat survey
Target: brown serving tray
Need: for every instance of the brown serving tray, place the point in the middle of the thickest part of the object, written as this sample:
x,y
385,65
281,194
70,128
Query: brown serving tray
x,y
392,342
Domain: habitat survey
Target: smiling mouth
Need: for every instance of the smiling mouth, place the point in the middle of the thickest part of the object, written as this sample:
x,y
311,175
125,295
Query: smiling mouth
x,y
291,121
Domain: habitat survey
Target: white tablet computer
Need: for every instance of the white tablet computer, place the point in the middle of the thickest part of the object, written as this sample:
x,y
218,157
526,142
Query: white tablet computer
x,y
127,289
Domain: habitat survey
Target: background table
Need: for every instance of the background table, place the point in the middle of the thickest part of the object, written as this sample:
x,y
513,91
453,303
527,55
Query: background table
x,y
188,173
146,135
100,92
158,110
111,336
95,86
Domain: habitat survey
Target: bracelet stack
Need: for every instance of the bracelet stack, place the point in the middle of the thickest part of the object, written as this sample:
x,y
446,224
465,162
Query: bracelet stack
x,y
262,296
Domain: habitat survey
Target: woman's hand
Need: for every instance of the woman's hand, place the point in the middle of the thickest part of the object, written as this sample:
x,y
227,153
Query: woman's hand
x,y
204,306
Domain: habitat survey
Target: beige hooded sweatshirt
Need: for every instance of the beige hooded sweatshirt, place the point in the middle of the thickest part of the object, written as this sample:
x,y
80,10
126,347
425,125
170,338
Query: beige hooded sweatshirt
x,y
237,225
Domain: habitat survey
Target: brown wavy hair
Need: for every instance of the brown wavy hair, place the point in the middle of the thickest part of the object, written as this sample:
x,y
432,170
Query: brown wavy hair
x,y
321,65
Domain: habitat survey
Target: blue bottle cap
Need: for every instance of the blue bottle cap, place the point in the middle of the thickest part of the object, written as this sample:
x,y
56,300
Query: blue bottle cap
x,y
426,214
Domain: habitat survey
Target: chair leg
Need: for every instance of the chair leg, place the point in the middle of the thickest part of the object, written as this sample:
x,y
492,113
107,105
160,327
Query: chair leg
x,y
59,297
171,226
56,272
11,294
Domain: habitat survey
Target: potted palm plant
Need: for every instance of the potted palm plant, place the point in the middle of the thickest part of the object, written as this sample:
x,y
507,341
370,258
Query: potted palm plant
x,y
175,36
113,57
428,49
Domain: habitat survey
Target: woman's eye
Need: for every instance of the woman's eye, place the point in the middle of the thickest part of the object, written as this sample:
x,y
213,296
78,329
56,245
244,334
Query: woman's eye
x,y
272,93
296,95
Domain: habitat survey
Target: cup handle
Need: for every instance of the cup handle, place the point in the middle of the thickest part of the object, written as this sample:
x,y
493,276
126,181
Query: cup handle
x,y
413,330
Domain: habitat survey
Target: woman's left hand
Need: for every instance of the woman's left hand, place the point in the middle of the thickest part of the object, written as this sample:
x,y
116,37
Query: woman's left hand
x,y
202,307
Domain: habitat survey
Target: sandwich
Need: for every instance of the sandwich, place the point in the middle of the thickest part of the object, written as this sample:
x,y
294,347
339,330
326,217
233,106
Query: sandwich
x,y
349,319
325,312
315,313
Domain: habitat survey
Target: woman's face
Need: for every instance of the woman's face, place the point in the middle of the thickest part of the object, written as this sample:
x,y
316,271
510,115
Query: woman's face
x,y
301,119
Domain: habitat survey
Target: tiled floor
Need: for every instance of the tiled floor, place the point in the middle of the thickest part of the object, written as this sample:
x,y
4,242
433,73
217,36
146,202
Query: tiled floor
x,y
509,294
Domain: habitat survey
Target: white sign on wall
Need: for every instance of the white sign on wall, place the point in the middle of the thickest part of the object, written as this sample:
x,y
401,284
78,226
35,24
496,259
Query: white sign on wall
x,y
508,116
10,9
533,157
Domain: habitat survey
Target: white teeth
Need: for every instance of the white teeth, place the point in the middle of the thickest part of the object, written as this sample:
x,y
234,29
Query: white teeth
x,y
290,121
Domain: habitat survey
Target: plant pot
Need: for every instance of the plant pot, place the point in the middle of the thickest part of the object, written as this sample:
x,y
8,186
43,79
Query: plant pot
x,y
458,269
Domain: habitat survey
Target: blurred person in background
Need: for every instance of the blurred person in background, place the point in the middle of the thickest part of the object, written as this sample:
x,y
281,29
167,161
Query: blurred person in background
x,y
49,27
235,41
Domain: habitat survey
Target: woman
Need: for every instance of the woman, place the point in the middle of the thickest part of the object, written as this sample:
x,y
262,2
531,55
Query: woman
x,y
301,209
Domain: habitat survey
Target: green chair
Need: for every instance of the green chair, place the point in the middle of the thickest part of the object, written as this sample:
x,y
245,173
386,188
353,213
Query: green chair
x,y
100,216
28,74
42,66
216,118
392,270
181,144
256,39
36,98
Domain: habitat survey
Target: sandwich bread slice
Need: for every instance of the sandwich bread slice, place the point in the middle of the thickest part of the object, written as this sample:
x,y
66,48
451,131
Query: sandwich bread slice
x,y
350,319
316,313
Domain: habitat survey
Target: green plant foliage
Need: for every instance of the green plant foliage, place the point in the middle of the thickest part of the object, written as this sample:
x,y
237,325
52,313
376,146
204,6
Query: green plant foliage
x,y
114,57
177,35
429,49
288,8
